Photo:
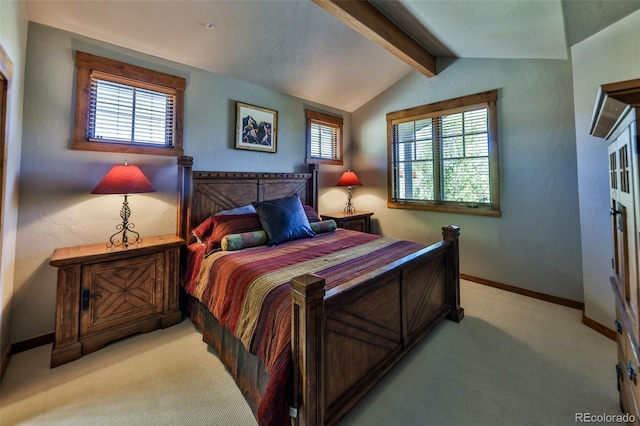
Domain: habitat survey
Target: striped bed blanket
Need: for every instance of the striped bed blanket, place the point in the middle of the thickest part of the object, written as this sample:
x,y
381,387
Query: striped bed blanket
x,y
248,292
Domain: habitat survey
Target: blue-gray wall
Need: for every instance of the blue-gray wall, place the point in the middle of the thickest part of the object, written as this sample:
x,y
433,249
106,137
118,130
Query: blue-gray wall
x,y
56,207
536,243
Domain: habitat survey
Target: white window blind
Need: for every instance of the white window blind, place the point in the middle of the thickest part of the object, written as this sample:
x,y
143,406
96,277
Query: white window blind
x,y
442,158
325,141
324,138
123,113
465,157
413,157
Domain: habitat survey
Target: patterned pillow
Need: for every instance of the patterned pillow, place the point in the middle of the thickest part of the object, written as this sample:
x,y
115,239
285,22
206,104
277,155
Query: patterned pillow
x,y
234,242
323,226
245,240
204,230
231,224
284,220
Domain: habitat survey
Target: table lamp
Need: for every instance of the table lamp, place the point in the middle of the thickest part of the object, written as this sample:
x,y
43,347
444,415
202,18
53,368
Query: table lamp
x,y
349,179
125,180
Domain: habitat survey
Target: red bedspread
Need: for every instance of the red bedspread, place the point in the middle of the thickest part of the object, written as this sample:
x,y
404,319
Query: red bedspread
x,y
248,292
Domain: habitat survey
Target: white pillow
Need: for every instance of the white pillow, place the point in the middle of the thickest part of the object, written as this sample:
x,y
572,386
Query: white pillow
x,y
238,210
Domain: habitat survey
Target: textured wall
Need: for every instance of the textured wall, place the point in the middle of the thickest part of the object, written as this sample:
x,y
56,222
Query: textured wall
x,y
609,56
56,207
536,243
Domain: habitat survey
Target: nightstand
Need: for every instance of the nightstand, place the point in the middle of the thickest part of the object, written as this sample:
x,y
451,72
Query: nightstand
x,y
104,294
358,221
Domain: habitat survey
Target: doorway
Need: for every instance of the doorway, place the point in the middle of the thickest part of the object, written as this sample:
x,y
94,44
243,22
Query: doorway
x,y
6,68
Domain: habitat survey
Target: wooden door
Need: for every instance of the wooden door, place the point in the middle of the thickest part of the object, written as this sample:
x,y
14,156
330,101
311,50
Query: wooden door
x,y
623,220
634,217
120,292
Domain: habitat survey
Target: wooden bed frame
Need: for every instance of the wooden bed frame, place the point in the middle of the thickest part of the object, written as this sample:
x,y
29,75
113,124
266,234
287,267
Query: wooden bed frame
x,y
343,340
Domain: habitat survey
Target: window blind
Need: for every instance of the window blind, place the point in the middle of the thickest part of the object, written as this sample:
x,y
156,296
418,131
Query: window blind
x,y
465,157
123,113
325,141
414,159
442,158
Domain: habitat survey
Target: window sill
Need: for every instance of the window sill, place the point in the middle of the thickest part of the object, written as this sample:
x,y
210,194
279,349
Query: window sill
x,y
457,209
125,148
324,161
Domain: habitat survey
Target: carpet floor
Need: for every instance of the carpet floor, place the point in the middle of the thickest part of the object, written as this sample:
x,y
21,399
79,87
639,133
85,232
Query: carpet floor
x,y
513,360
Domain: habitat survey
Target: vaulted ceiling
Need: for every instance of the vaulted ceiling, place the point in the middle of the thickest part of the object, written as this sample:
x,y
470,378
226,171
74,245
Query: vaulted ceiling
x,y
298,48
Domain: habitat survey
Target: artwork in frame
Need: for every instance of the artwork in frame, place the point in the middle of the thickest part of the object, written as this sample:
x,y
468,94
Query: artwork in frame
x,y
256,128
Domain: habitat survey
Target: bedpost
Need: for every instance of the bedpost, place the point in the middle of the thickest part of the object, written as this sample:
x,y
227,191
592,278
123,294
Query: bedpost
x,y
312,185
183,222
450,234
307,326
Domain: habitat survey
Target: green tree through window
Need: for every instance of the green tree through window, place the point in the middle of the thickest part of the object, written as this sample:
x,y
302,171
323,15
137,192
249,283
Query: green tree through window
x,y
443,156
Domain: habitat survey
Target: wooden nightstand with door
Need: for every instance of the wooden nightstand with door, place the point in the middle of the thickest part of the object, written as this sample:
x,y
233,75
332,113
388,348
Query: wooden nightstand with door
x,y
104,294
358,221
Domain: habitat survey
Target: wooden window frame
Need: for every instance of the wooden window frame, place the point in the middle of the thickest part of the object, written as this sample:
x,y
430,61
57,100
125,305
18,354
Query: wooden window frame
x,y
439,109
136,77
330,121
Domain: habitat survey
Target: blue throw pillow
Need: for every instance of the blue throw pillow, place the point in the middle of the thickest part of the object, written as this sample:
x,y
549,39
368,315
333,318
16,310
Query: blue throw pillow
x,y
283,220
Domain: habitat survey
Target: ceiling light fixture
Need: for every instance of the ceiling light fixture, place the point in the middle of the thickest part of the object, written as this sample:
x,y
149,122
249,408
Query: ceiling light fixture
x,y
209,25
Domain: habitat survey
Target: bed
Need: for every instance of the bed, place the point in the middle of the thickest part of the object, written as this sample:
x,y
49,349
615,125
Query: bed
x,y
305,326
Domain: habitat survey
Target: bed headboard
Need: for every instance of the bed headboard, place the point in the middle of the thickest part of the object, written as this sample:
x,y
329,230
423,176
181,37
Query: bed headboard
x,y
202,194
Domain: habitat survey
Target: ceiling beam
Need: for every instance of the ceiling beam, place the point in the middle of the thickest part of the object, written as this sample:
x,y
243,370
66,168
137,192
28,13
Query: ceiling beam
x,y
363,17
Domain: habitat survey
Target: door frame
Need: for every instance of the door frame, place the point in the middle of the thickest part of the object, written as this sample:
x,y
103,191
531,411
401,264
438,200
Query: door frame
x,y
6,77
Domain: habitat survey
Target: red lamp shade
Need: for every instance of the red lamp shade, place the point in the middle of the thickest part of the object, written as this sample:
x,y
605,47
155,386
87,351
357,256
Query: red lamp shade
x,y
124,179
349,178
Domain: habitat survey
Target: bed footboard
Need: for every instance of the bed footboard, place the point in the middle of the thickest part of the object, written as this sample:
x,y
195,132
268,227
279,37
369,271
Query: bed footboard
x,y
346,339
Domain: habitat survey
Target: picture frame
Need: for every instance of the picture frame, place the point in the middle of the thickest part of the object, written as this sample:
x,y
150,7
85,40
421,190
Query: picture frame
x,y
256,128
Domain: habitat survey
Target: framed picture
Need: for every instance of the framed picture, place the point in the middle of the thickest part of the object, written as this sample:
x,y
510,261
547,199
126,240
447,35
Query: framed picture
x,y
256,128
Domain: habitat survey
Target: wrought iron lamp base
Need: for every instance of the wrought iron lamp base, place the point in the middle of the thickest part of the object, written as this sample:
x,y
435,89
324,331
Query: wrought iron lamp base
x,y
124,228
350,209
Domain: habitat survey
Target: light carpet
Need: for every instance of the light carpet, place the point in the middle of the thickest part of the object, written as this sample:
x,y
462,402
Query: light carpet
x,y
513,360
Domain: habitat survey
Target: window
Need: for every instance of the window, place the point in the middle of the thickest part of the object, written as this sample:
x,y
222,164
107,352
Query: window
x,y
444,156
125,108
324,138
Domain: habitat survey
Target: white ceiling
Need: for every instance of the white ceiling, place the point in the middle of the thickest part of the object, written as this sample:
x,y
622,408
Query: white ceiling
x,y
495,29
295,47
